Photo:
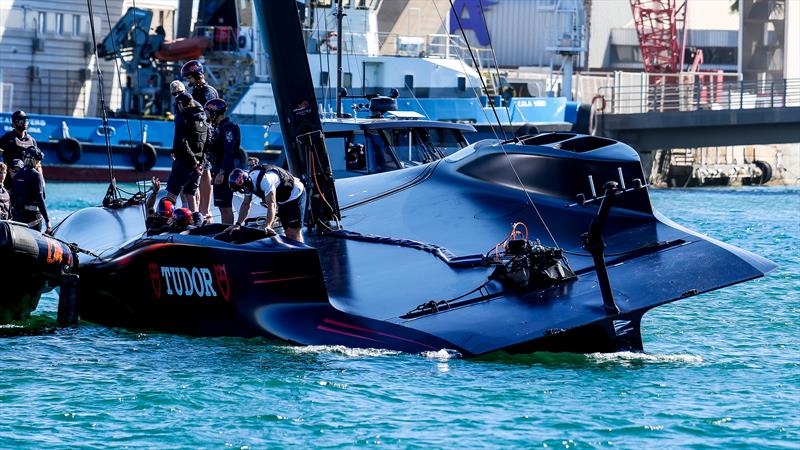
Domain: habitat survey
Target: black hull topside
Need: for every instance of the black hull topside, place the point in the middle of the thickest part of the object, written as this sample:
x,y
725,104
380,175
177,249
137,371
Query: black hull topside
x,y
380,292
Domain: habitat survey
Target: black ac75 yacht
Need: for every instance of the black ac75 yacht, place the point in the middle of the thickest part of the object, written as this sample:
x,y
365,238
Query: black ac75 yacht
x,y
548,242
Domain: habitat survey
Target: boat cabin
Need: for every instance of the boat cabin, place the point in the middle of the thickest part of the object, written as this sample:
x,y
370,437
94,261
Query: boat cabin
x,y
367,146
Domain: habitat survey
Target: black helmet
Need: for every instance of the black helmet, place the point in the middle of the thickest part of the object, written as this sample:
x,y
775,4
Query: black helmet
x,y
215,107
183,99
19,117
193,68
181,217
240,181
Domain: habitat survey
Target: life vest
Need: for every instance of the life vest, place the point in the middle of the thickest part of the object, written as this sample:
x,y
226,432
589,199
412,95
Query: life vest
x,y
284,189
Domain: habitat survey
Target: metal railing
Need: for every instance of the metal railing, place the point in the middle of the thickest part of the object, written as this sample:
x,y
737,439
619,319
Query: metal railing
x,y
696,92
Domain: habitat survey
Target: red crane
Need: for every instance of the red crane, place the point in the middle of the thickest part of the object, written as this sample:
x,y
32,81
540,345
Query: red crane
x,y
657,25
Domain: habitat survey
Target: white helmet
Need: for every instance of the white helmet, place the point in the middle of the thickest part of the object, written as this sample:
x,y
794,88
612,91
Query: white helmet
x,y
176,87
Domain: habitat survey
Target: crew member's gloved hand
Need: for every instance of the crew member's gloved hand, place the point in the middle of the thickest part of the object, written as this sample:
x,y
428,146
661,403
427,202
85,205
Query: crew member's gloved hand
x,y
232,228
270,232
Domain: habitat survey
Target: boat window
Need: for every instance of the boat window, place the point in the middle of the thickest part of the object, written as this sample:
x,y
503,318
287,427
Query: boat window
x,y
356,158
409,146
380,157
445,141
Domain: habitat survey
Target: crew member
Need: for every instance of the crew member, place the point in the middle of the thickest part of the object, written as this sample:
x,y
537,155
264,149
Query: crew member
x,y
5,199
157,217
188,147
224,148
27,197
280,192
15,143
181,220
176,88
202,93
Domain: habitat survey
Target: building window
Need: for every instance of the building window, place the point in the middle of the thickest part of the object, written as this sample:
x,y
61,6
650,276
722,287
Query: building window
x,y
76,25
41,23
60,24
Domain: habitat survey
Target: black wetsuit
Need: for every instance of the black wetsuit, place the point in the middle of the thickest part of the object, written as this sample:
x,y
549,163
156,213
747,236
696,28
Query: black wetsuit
x,y
27,198
202,94
15,147
5,204
190,141
224,148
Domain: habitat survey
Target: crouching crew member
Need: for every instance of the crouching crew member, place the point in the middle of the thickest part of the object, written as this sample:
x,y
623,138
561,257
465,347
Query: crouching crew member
x,y
191,138
5,199
27,197
15,143
280,192
224,149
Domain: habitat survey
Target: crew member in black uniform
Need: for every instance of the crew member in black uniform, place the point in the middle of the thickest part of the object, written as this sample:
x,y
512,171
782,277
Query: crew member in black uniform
x,y
188,147
280,192
27,196
202,93
5,199
224,148
15,143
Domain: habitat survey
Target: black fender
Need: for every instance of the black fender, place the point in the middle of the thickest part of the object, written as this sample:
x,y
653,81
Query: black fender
x,y
143,157
69,150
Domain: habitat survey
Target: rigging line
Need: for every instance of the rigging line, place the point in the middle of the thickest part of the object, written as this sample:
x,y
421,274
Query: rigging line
x,y
417,100
104,116
141,125
328,59
502,145
494,55
475,61
118,71
473,88
319,44
350,52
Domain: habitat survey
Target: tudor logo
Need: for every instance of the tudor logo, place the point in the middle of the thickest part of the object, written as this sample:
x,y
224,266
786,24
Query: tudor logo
x,y
189,281
302,108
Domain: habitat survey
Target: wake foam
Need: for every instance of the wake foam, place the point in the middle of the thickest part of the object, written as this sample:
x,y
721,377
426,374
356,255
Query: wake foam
x,y
644,357
342,350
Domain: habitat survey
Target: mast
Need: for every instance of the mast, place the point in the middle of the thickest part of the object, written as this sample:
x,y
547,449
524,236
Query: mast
x,y
339,45
293,88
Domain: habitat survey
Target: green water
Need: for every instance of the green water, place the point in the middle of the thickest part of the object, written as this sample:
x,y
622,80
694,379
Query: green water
x,y
722,370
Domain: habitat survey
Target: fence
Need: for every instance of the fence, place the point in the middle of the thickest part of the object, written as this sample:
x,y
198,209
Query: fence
x,y
695,92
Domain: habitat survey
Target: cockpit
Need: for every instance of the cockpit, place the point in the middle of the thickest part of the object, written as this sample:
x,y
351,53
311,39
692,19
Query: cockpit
x,y
376,147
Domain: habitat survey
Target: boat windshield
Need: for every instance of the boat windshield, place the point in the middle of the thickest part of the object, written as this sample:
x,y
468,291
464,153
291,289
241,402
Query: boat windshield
x,y
445,141
413,146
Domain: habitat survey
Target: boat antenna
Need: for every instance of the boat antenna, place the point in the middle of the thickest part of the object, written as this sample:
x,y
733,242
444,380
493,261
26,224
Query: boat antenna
x,y
104,116
339,16
475,64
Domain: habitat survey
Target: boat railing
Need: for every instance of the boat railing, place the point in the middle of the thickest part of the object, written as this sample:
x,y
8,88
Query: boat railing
x,y
698,91
445,46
